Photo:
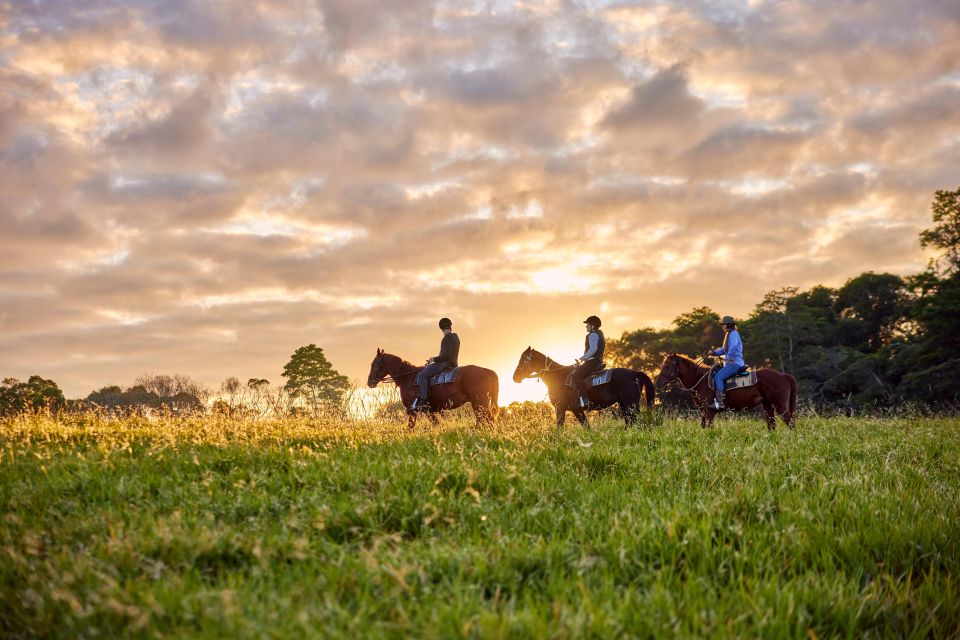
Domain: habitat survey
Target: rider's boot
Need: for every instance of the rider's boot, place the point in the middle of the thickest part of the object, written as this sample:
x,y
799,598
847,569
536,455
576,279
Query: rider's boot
x,y
584,403
718,401
420,404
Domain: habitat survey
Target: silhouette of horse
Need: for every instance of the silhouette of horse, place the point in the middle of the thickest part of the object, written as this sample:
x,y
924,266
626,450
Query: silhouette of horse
x,y
474,384
626,388
776,391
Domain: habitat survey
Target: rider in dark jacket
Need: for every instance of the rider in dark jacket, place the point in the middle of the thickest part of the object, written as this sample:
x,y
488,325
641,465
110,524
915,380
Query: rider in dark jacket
x,y
446,359
592,358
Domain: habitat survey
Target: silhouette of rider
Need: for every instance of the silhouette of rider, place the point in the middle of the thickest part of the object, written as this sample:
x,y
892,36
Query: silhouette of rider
x,y
592,359
447,359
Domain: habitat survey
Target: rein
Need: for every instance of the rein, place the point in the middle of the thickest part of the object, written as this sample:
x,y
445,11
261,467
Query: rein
x,y
389,377
696,384
547,361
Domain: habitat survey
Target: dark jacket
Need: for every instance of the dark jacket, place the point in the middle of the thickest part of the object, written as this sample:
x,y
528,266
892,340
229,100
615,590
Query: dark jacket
x,y
449,349
601,346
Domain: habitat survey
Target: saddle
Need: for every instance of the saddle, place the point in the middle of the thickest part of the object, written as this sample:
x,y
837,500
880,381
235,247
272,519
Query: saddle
x,y
595,380
745,377
445,377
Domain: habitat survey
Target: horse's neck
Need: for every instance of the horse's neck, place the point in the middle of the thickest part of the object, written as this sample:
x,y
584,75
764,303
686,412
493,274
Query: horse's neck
x,y
692,373
554,371
399,366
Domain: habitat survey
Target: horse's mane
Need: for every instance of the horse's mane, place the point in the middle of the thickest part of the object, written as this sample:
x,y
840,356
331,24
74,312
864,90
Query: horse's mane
x,y
687,359
402,361
559,364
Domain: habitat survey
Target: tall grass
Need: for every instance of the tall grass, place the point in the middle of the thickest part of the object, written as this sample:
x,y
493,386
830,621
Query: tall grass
x,y
207,526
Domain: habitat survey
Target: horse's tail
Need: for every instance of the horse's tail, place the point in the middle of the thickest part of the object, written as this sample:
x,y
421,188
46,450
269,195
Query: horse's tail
x,y
793,398
495,398
650,391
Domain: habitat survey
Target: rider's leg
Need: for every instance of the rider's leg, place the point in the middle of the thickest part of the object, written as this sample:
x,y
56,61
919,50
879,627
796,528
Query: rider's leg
x,y
423,380
722,376
580,375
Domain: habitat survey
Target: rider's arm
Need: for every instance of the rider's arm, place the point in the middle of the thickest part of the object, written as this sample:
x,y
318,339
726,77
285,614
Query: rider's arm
x,y
594,343
736,343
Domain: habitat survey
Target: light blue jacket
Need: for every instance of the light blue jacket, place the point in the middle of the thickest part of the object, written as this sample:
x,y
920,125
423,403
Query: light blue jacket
x,y
732,349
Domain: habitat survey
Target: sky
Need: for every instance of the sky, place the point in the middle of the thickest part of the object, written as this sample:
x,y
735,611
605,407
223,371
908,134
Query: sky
x,y
203,186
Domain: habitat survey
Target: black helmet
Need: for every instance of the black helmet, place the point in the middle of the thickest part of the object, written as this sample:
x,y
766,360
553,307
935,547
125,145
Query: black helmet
x,y
445,322
594,320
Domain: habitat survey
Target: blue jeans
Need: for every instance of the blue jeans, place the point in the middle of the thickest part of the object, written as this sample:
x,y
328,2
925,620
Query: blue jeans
x,y
423,378
722,376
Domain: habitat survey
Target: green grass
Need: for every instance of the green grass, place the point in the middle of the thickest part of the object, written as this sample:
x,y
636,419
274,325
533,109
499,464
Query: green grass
x,y
201,527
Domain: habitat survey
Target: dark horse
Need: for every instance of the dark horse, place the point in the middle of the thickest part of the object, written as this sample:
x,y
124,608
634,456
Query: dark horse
x,y
776,391
475,385
625,388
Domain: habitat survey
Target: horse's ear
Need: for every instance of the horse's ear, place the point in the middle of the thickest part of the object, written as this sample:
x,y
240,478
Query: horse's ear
x,y
379,351
529,348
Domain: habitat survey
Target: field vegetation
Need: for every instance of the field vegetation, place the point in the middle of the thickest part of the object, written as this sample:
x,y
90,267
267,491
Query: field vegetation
x,y
223,527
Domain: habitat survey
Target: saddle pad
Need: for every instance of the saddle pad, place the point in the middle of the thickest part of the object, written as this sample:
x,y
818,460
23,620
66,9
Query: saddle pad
x,y
746,380
445,377
596,379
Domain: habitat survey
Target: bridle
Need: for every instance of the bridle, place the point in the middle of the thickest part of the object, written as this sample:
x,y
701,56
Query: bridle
x,y
692,389
547,362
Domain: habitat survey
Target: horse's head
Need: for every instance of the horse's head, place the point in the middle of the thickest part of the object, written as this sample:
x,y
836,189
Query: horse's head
x,y
529,364
377,370
669,371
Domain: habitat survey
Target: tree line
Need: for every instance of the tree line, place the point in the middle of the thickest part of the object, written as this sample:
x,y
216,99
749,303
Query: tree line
x,y
878,340
312,387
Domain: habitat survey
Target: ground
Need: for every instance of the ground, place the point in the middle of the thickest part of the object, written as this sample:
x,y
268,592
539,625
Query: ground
x,y
209,527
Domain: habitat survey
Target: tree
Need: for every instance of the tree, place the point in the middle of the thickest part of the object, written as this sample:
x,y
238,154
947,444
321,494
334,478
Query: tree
x,y
771,330
36,393
310,376
878,301
945,234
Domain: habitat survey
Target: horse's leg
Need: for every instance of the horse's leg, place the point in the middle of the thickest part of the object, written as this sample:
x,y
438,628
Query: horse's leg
x,y
711,415
771,417
787,415
435,418
629,413
480,412
581,415
561,415
411,420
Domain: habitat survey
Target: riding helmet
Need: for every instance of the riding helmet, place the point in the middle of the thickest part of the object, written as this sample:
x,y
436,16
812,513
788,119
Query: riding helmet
x,y
445,322
594,320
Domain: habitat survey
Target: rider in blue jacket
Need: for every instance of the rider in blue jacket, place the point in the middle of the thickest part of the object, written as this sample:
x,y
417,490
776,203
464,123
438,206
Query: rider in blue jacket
x,y
732,352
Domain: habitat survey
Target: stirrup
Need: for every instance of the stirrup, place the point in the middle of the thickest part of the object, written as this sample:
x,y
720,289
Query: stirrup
x,y
716,405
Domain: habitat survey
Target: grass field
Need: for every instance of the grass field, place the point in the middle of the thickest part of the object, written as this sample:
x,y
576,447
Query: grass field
x,y
205,527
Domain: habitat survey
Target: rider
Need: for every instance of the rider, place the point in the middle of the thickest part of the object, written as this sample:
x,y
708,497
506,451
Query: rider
x,y
732,351
447,359
592,358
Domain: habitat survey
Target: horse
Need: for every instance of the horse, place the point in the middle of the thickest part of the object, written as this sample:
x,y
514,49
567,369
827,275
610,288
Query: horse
x,y
626,388
476,385
776,391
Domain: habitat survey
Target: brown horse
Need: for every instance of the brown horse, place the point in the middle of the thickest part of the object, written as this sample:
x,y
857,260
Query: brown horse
x,y
776,391
626,388
475,385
